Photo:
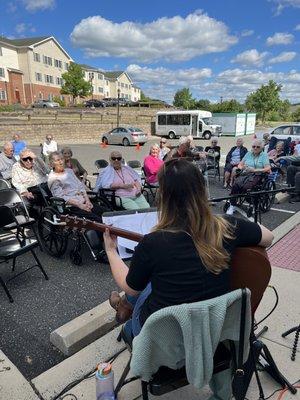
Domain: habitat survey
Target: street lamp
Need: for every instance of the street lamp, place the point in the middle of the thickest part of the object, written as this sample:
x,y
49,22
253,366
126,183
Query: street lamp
x,y
118,108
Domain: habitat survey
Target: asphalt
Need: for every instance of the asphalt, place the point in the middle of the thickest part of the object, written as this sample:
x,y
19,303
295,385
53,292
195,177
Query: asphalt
x,y
41,306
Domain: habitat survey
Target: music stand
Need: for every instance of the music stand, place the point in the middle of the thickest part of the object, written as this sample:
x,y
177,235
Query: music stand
x,y
295,345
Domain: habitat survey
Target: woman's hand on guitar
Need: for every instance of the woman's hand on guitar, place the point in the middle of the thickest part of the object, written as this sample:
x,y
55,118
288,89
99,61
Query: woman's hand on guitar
x,y
110,242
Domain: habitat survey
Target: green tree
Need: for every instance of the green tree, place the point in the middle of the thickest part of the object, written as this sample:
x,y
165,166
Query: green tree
x,y
183,99
296,115
264,100
284,110
74,82
203,104
232,106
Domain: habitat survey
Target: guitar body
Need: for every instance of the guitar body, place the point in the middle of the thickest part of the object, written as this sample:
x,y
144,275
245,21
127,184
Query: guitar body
x,y
250,266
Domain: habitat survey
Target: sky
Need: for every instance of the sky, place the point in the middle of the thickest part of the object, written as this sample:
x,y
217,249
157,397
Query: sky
x,y
217,48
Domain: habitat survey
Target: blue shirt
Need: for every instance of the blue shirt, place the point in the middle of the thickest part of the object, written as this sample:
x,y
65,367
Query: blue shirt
x,y
18,146
257,162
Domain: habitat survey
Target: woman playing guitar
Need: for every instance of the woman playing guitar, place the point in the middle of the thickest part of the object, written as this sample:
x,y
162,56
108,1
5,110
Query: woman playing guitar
x,y
187,256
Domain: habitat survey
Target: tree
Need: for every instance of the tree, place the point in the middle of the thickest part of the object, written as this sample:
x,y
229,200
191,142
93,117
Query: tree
x,y
232,106
74,83
296,115
264,100
203,104
183,99
284,110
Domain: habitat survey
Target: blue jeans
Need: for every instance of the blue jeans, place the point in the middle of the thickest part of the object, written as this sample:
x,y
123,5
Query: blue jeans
x,y
133,326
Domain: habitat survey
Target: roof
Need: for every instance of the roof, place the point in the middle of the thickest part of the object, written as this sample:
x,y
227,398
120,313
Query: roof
x,y
15,70
23,42
85,66
113,74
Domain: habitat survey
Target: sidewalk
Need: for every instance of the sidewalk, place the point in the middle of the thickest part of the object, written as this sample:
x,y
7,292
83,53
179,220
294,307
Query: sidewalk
x,y
285,261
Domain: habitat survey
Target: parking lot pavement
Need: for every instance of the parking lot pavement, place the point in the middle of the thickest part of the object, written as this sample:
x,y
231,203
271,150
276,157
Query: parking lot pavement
x,y
42,306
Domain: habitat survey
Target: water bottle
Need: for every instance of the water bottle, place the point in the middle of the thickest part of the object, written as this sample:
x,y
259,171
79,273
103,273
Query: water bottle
x,y
105,382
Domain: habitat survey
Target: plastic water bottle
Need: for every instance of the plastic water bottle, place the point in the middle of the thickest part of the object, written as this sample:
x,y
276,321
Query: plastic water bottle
x,y
105,382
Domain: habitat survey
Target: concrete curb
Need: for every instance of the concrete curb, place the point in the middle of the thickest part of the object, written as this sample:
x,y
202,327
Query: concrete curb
x,y
285,227
85,329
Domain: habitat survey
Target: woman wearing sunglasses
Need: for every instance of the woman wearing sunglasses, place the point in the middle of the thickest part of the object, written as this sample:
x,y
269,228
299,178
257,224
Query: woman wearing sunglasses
x,y
125,181
252,167
28,172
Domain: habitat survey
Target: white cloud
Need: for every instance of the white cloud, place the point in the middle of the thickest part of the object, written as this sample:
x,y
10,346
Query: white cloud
x,y
297,27
231,83
180,77
285,56
280,38
35,5
172,39
281,4
247,32
250,58
22,27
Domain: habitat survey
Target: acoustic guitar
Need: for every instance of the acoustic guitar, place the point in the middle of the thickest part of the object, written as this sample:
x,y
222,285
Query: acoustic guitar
x,y
250,266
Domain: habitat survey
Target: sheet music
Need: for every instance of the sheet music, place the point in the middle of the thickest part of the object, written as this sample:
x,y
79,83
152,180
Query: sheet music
x,y
138,222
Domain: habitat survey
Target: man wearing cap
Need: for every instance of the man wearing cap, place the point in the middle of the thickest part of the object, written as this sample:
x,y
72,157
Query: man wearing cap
x,y
27,172
7,160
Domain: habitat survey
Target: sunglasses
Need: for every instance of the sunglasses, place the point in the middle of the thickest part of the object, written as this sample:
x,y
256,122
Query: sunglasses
x,y
116,158
163,142
27,159
256,147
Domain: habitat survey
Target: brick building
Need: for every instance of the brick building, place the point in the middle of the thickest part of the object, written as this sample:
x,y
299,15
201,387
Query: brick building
x,y
32,68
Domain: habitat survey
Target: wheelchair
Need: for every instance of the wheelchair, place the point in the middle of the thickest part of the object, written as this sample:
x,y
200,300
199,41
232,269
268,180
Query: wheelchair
x,y
55,239
263,202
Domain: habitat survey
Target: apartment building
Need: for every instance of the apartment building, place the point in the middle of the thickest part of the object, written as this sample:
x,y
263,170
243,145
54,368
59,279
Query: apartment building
x,y
32,68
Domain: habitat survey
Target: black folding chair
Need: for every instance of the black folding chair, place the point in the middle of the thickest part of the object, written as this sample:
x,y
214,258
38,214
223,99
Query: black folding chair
x,y
15,246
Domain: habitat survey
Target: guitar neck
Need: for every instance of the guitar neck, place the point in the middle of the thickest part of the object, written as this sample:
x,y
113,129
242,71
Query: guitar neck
x,y
136,237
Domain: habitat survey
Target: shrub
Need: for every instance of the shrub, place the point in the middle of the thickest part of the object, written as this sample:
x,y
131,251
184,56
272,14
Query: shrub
x,y
6,108
58,100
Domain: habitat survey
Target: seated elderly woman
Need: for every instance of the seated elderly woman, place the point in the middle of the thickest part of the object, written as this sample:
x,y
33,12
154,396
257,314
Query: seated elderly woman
x,y
27,173
233,158
73,164
63,183
276,153
125,181
152,164
253,165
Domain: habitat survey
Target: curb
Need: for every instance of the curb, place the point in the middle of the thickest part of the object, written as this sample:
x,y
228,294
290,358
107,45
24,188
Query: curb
x,y
284,228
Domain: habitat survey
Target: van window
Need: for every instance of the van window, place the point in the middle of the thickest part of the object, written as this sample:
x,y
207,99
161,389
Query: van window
x,y
162,120
178,119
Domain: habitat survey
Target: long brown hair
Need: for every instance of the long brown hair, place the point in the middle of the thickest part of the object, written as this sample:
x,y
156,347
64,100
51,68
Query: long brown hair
x,y
183,206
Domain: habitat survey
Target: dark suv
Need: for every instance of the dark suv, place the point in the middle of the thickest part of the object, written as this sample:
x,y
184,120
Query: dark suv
x,y
95,103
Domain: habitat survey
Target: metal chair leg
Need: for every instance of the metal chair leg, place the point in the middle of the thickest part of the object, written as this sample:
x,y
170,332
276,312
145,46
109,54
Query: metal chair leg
x,y
145,390
39,265
2,283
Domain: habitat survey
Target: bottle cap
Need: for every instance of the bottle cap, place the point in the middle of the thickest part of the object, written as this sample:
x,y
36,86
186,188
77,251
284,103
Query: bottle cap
x,y
104,369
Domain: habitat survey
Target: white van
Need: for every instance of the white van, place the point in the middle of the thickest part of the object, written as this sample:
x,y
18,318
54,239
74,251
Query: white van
x,y
182,123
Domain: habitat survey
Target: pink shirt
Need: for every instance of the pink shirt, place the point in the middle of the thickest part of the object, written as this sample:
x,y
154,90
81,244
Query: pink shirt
x,y
123,176
152,166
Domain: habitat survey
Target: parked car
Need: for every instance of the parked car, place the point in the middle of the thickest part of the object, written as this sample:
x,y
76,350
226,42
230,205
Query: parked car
x,y
45,104
110,101
94,103
283,132
125,135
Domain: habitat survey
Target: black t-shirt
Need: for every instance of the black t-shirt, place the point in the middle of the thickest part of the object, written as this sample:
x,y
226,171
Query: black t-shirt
x,y
171,263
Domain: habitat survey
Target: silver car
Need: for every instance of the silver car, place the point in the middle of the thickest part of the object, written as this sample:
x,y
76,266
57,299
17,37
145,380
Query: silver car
x,y
45,104
125,135
283,132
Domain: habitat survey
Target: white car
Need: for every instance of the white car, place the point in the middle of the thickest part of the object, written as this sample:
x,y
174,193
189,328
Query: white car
x,y
283,132
45,104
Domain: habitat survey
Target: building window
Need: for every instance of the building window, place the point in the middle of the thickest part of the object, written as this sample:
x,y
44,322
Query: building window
x,y
107,83
48,79
59,81
57,63
100,89
122,84
66,66
47,60
37,57
91,75
2,95
100,76
1,54
2,72
38,77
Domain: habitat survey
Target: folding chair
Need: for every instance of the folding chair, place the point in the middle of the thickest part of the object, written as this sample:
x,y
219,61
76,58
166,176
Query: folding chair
x,y
13,247
213,165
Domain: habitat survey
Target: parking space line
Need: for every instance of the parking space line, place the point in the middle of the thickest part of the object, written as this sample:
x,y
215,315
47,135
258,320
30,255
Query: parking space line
x,y
282,210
